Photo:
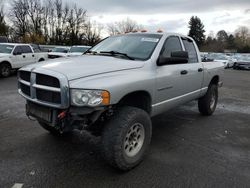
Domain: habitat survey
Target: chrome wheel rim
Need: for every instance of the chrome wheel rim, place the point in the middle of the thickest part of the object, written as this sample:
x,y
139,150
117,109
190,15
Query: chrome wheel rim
x,y
213,100
134,140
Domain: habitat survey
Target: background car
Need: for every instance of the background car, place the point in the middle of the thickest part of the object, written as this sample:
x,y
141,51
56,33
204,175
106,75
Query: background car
x,y
77,50
16,55
227,61
58,52
243,63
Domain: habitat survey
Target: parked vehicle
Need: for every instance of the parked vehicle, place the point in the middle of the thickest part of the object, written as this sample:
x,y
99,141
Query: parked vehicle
x,y
38,49
15,56
243,63
227,61
58,52
116,87
77,50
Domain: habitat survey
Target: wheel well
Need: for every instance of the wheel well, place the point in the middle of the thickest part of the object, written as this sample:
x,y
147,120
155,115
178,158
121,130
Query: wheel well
x,y
6,62
42,59
215,80
139,99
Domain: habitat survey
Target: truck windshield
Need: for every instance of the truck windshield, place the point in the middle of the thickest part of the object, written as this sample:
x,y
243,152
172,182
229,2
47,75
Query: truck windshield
x,y
81,49
134,46
6,49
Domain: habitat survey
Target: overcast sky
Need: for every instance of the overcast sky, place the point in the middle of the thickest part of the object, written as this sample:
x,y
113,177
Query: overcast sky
x,y
171,15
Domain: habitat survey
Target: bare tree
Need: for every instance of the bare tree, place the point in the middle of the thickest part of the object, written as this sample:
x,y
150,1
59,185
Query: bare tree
x,y
45,19
124,26
51,21
35,13
242,34
19,13
92,33
4,29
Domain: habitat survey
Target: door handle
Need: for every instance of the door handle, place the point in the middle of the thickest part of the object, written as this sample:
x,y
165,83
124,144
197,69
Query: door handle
x,y
200,69
33,55
184,72
24,56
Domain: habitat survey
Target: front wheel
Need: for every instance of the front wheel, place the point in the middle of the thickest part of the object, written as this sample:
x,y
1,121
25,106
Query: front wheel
x,y
126,137
207,104
235,66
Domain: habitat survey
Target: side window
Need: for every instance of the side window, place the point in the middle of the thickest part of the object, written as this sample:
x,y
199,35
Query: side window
x,y
36,48
171,44
18,50
190,48
26,49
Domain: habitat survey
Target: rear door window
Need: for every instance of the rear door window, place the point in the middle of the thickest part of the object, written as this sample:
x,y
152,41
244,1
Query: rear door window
x,y
190,48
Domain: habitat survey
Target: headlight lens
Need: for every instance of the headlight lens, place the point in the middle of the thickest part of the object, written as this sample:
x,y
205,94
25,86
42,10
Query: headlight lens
x,y
89,97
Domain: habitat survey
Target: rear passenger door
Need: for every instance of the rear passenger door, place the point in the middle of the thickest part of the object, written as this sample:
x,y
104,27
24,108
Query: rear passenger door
x,y
194,67
28,54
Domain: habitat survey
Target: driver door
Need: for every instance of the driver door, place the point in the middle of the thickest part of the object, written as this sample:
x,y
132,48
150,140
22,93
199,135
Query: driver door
x,y
18,58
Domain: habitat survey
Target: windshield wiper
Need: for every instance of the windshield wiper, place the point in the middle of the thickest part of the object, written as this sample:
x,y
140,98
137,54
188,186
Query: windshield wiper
x,y
113,53
90,52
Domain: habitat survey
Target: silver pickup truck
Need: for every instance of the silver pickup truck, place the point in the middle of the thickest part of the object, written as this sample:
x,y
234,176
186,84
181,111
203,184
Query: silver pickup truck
x,y
117,86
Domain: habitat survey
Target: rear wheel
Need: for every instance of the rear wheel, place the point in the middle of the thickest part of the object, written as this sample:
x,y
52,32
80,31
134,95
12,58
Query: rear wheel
x,y
207,104
5,70
126,137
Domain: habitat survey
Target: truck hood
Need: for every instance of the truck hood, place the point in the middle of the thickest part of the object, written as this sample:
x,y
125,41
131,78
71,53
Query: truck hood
x,y
86,65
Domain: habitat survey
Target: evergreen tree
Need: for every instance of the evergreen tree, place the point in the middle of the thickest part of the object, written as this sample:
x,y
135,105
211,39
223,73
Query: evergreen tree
x,y
222,36
196,30
231,42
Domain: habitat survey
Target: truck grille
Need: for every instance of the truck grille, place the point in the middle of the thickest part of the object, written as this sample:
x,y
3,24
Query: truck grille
x,y
25,89
46,80
48,96
24,75
43,89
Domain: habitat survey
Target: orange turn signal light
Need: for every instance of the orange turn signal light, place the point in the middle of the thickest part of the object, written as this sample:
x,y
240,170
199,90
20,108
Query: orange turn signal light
x,y
105,98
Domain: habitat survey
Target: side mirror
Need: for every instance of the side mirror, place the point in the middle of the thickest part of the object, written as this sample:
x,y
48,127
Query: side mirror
x,y
178,57
65,51
17,53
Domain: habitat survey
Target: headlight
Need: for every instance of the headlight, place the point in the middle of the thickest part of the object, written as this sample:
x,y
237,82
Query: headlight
x,y
89,97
